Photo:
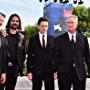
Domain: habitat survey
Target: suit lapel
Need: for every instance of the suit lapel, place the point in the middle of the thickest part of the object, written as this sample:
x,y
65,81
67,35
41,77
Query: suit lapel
x,y
79,40
48,40
67,38
38,41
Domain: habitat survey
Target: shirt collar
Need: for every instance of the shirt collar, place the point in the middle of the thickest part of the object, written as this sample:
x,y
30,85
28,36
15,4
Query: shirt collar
x,y
40,34
70,36
45,38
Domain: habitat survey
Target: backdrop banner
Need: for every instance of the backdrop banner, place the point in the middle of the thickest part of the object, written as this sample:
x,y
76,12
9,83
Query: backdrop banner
x,y
57,14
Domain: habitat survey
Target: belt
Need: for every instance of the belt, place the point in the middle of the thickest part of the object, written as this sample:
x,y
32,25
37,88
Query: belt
x,y
10,64
74,65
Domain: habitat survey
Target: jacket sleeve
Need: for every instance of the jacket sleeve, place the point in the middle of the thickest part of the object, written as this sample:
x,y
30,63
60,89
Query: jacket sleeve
x,y
4,54
53,54
56,52
30,57
87,55
21,53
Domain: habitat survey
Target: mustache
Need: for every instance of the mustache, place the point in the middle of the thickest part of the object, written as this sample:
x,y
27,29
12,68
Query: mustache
x,y
0,24
15,25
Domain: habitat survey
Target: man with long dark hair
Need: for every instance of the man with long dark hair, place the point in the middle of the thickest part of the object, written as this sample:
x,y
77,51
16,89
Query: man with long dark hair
x,y
15,50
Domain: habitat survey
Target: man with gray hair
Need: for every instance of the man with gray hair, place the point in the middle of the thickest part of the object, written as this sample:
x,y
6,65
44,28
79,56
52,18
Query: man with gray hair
x,y
71,54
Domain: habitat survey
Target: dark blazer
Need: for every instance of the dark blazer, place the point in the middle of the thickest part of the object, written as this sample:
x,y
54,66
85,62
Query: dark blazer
x,y
64,57
2,54
40,60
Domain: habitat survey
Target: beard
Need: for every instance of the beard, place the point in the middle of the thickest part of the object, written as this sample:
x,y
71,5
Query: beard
x,y
0,24
14,26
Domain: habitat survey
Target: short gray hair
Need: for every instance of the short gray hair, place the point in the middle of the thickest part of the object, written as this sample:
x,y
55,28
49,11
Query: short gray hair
x,y
73,16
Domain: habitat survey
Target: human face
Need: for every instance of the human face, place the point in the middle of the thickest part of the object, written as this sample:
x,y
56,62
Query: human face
x,y
71,24
14,24
1,19
43,27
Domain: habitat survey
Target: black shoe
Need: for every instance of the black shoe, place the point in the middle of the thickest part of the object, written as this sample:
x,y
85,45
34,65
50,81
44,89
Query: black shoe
x,y
81,2
66,1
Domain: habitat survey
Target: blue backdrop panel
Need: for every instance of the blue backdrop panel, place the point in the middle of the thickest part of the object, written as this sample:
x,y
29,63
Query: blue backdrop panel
x,y
56,14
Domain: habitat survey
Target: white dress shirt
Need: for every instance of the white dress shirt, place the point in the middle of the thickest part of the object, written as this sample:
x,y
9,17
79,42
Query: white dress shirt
x,y
45,38
70,36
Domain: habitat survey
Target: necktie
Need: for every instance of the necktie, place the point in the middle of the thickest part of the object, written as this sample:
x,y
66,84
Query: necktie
x,y
43,41
72,43
72,40
73,49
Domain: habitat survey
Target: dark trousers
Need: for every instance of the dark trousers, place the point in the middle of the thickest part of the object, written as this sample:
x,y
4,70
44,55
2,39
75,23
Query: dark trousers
x,y
48,82
1,87
65,84
10,82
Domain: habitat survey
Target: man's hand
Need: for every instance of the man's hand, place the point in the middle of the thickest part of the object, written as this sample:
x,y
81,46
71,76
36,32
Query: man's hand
x,y
3,78
4,33
30,76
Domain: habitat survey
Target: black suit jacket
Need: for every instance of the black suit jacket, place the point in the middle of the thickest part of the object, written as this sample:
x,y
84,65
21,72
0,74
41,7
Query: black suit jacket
x,y
40,60
64,57
2,54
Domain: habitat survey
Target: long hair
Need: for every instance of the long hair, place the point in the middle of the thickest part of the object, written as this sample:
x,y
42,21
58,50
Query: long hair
x,y
9,20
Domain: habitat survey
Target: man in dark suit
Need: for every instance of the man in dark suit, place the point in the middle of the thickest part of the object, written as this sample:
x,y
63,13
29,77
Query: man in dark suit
x,y
2,61
40,57
2,54
71,55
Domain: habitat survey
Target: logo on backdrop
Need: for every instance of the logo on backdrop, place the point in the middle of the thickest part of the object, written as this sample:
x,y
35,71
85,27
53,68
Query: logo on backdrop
x,y
57,14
